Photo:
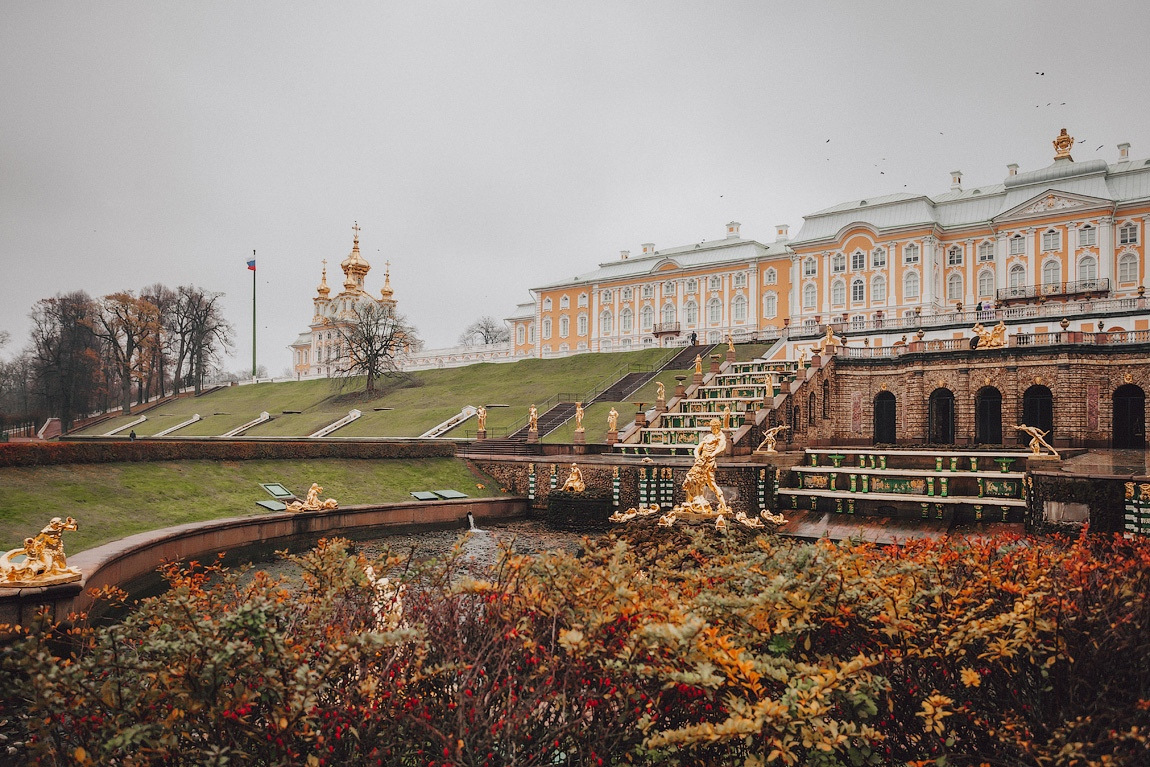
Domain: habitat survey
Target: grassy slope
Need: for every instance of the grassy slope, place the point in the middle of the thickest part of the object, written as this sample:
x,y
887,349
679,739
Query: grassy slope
x,y
111,501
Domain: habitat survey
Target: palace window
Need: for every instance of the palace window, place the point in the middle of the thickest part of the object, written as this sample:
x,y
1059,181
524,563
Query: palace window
x,y
716,283
1018,245
546,304
582,325
810,267
582,300
520,334
565,302
954,256
858,261
878,258
985,283
771,276
1052,271
739,309
605,322
910,254
954,287
1051,240
1087,237
1017,277
878,288
838,263
1128,234
626,322
1088,268
770,305
668,314
647,318
605,296
858,291
1128,268
668,288
910,285
838,293
809,295
692,286
648,291
986,251
740,280
858,322
564,326
564,347
714,311
546,328
626,294
531,333
692,313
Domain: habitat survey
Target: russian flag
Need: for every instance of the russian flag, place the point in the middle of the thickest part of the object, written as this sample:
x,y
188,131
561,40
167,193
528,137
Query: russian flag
x,y
252,264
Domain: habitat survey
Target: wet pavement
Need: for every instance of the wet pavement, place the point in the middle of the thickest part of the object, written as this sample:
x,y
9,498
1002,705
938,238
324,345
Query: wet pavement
x,y
1108,463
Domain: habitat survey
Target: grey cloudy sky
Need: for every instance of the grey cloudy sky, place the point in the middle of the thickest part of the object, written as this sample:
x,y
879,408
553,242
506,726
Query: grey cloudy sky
x,y
488,147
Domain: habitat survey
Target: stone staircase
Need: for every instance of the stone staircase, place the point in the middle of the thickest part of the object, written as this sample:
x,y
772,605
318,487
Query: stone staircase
x,y
558,415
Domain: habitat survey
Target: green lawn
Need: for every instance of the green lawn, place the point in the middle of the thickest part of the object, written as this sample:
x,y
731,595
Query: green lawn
x,y
111,501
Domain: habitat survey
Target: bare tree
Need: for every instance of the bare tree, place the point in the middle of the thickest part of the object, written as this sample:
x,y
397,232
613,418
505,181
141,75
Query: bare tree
x,y
199,332
485,330
125,324
64,355
165,300
373,338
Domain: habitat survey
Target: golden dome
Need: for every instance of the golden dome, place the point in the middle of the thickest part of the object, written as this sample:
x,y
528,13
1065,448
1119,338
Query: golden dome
x,y
322,289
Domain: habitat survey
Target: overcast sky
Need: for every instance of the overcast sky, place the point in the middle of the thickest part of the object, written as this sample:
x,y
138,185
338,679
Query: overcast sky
x,y
489,147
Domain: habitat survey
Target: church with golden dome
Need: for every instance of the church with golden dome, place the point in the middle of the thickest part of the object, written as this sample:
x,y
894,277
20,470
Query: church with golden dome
x,y
321,351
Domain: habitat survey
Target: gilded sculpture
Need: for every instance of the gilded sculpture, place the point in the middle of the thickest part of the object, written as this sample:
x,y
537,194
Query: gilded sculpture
x,y
990,339
827,342
312,502
613,420
660,391
698,364
574,483
579,416
730,342
1036,439
771,438
1062,145
41,560
533,419
481,414
803,357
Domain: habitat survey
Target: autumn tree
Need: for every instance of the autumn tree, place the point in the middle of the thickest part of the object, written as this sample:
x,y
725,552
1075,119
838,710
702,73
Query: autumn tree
x,y
373,337
64,355
198,333
485,330
125,324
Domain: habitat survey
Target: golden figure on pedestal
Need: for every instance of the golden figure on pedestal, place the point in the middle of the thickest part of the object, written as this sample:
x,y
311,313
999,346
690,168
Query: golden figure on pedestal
x,y
533,419
827,342
578,416
698,364
481,415
660,391
1036,439
771,438
41,560
990,339
574,483
613,420
312,502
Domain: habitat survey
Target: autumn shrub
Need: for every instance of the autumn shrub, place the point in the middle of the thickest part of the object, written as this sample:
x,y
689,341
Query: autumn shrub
x,y
665,648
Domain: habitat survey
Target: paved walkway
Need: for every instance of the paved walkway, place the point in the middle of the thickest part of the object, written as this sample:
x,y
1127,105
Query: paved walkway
x,y
1103,463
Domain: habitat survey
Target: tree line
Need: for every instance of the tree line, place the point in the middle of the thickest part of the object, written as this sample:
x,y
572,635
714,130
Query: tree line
x,y
87,355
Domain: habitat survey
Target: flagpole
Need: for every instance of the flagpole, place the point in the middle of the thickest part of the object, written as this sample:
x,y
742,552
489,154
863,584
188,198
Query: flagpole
x,y
253,316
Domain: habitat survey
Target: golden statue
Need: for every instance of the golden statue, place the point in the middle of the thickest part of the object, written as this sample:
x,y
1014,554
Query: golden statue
x,y
613,420
41,560
1062,145
312,502
701,476
803,357
660,391
990,339
730,342
771,438
698,364
578,416
1036,439
481,414
533,419
574,483
827,342
726,416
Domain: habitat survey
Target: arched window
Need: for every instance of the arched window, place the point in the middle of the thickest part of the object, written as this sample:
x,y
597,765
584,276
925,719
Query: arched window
x,y
954,256
605,322
770,305
692,286
716,283
954,287
531,333
910,285
1088,268
648,291
1052,271
1017,276
668,288
626,321
1051,240
546,328
986,251
858,291
838,263
647,318
771,276
1128,268
668,314
858,261
739,309
810,294
520,334
1087,236
878,258
582,325
910,254
985,283
838,293
606,296
1128,234
564,326
714,311
878,288
626,294
1017,245
692,313
546,304
739,280
582,300
565,302
810,267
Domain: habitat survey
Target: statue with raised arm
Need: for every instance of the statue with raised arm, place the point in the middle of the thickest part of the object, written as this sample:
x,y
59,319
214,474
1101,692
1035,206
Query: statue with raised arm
x,y
771,438
1036,438
701,476
828,342
803,357
481,414
533,419
730,342
578,416
41,560
312,501
574,483
613,420
990,339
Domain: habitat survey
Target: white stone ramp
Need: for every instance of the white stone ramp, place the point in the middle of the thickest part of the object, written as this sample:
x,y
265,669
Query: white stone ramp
x,y
180,425
129,425
264,416
352,415
468,411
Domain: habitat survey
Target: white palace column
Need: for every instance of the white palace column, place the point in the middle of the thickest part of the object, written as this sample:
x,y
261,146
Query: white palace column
x,y
1001,254
929,256
1106,251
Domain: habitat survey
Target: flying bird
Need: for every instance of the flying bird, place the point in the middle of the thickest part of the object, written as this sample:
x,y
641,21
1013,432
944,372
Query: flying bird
x,y
1099,147
1043,74
828,141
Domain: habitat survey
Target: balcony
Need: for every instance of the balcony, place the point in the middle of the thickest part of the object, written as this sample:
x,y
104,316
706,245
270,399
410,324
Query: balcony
x,y
667,328
1048,289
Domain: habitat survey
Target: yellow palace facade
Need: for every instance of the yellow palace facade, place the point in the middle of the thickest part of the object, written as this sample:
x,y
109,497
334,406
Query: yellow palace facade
x,y
1069,232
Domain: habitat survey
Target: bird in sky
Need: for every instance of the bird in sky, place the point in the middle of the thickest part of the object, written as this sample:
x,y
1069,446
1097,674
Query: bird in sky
x,y
1043,74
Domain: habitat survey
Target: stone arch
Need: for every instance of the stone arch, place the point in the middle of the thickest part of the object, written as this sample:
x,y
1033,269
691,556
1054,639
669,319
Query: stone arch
x,y
885,412
1038,411
940,417
1129,425
988,416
